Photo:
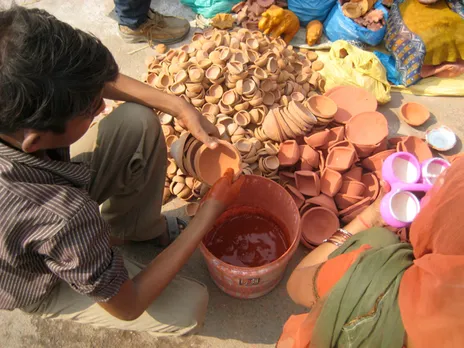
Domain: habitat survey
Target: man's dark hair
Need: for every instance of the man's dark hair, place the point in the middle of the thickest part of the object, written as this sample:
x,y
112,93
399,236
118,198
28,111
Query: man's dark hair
x,y
49,71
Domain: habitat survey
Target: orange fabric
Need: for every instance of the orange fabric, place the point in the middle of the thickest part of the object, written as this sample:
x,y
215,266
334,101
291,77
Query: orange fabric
x,y
298,329
334,269
431,295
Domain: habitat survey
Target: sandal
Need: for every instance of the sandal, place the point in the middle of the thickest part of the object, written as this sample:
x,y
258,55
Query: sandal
x,y
175,228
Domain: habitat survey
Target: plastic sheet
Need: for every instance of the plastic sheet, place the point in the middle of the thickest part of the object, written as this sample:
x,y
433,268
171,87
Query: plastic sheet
x,y
339,27
389,63
308,10
210,8
359,68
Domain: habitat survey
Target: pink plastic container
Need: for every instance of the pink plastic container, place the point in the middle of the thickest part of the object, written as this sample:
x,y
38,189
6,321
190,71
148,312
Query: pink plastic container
x,y
253,282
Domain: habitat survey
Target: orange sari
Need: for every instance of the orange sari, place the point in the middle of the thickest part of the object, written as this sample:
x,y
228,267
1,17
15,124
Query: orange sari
x,y
431,292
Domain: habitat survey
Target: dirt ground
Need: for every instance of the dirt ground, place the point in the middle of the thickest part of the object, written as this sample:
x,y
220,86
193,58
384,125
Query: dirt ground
x,y
230,322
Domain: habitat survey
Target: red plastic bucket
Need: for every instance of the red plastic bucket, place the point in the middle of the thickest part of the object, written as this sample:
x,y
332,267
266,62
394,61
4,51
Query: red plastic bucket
x,y
245,282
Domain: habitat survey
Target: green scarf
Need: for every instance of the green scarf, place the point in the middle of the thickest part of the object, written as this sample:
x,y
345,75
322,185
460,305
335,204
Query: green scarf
x,y
362,308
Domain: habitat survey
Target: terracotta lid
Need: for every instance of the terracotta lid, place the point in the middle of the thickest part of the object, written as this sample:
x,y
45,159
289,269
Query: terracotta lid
x,y
307,182
414,114
351,101
368,128
417,147
322,106
318,224
372,186
210,164
341,158
289,153
331,182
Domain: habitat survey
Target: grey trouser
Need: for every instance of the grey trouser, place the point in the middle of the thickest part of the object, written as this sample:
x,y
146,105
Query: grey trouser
x,y
127,155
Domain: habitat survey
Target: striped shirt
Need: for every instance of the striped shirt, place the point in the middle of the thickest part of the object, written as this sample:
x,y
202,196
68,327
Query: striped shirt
x,y
51,230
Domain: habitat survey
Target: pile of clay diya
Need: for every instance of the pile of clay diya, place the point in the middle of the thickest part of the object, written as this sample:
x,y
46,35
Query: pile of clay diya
x,y
334,174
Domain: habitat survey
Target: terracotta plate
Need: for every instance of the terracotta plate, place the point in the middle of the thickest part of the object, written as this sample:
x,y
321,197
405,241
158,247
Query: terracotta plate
x,y
351,101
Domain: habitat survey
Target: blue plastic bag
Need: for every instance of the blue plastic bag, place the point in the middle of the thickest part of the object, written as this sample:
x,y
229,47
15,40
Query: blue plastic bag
x,y
389,63
210,8
309,10
339,27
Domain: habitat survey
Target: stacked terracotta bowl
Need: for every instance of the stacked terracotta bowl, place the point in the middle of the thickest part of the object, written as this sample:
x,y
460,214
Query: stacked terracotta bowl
x,y
202,163
237,79
334,174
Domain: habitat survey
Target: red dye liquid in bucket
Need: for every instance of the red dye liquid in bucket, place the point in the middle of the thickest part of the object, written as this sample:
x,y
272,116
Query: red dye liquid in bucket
x,y
247,237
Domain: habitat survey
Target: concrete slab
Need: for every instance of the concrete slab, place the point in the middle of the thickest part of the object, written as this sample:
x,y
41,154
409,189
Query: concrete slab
x,y
230,323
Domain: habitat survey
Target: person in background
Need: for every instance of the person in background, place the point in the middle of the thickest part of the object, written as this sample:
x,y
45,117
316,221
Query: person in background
x,y
366,289
57,165
139,23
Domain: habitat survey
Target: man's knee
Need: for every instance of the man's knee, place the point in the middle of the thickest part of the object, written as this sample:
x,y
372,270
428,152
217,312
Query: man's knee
x,y
134,119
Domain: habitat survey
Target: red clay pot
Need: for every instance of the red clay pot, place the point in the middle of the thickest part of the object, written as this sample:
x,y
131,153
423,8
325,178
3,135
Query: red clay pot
x,y
322,106
351,101
331,182
308,183
318,224
344,201
296,195
289,153
414,114
353,188
309,155
372,186
374,163
341,158
319,139
210,164
368,128
417,147
355,173
323,201
287,178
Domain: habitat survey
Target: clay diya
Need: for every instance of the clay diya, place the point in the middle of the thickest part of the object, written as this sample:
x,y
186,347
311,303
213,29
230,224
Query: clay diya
x,y
356,208
441,138
319,139
344,201
308,183
331,182
351,101
341,158
372,185
309,155
296,195
210,165
355,173
302,112
414,114
318,224
289,153
417,147
353,188
374,163
287,178
323,201
322,106
177,150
